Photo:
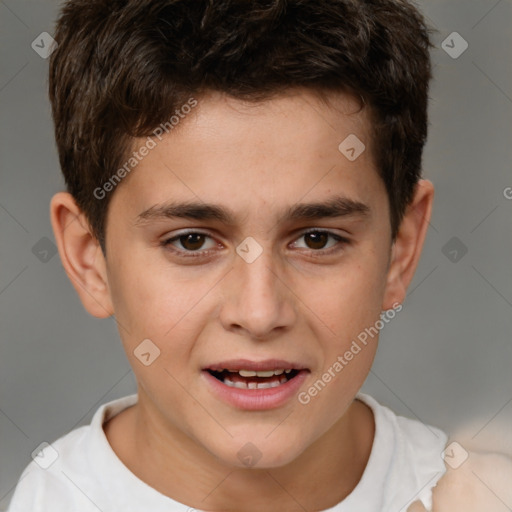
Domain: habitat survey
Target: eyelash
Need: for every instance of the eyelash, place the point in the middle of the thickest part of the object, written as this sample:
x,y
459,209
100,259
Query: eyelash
x,y
204,253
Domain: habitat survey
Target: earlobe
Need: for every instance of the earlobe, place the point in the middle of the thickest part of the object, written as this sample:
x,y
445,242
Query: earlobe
x,y
409,241
81,255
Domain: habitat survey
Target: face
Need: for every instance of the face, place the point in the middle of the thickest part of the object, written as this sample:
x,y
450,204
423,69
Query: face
x,y
252,252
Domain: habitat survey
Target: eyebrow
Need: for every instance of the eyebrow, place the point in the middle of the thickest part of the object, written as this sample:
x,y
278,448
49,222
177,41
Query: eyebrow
x,y
337,206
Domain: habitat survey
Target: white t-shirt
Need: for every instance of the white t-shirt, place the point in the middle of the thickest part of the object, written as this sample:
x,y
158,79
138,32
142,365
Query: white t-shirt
x,y
83,473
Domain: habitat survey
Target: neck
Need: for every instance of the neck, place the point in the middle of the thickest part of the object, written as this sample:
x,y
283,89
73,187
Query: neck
x,y
174,465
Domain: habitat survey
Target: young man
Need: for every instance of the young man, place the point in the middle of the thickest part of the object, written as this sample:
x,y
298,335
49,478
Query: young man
x,y
244,195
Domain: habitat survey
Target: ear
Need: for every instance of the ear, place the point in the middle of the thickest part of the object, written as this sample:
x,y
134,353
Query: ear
x,y
406,249
81,255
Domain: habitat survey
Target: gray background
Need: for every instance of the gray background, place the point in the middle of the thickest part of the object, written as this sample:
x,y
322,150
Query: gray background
x,y
446,357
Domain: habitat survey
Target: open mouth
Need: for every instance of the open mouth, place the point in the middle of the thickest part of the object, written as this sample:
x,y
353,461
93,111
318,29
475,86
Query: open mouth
x,y
252,385
253,379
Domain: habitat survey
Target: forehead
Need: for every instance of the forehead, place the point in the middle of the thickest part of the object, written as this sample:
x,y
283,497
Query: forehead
x,y
268,154
298,122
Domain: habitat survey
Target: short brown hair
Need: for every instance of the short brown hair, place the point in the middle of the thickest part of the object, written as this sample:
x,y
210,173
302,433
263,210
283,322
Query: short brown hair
x,y
122,67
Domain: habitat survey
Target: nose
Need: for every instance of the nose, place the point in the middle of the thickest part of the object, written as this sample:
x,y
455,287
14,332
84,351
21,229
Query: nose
x,y
257,301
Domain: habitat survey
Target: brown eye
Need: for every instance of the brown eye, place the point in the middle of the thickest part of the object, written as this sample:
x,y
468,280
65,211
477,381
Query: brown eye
x,y
189,243
316,239
192,241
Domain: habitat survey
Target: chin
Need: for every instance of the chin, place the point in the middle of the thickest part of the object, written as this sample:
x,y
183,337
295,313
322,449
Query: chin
x,y
259,451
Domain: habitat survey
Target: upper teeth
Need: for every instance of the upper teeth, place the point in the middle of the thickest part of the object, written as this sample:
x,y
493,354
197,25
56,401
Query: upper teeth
x,y
265,373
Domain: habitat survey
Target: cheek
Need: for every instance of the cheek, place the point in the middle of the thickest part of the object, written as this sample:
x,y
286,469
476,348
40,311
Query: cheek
x,y
348,300
154,300
349,308
155,303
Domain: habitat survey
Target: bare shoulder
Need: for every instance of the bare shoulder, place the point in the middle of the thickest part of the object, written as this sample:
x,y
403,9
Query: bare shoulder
x,y
483,482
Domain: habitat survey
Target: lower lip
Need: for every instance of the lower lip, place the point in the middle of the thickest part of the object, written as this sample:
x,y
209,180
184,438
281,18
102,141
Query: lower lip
x,y
256,399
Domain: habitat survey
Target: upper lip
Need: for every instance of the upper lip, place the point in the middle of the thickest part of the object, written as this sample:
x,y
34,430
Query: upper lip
x,y
247,364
